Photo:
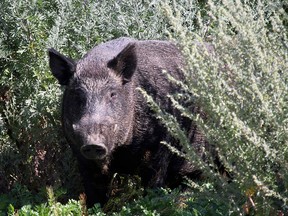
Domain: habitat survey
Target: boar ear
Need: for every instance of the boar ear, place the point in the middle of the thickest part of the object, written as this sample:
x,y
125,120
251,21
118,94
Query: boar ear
x,y
61,66
125,62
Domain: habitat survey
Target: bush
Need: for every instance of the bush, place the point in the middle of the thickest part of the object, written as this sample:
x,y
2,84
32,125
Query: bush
x,y
52,207
33,151
240,82
241,86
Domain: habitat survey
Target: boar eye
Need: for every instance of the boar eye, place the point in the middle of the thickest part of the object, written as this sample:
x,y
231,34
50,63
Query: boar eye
x,y
113,95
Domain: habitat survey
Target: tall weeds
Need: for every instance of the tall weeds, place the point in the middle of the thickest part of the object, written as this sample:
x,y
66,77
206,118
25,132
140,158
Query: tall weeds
x,y
240,80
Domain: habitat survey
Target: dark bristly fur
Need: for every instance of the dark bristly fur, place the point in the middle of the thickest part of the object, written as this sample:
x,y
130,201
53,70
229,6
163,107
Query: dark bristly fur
x,y
107,121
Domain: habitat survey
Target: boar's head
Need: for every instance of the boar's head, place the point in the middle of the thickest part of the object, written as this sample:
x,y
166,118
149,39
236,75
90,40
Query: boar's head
x,y
98,102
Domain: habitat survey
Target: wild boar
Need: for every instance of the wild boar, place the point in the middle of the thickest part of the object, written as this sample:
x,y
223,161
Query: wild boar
x,y
109,124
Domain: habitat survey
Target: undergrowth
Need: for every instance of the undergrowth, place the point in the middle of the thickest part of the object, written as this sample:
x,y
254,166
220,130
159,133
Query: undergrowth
x,y
239,78
240,81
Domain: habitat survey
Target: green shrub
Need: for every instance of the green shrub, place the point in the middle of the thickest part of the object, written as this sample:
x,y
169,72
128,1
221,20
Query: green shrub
x,y
52,207
240,81
241,87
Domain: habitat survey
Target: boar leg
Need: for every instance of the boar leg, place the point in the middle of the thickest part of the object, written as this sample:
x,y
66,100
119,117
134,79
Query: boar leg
x,y
95,185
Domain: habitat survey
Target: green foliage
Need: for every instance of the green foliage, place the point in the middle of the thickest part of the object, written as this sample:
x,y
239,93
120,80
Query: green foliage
x,y
240,84
31,147
52,207
155,203
240,81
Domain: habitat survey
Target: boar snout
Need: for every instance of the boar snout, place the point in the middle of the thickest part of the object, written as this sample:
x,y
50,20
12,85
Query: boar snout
x,y
94,151
95,147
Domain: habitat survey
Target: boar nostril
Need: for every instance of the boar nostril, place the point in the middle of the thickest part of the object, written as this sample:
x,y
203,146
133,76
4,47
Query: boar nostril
x,y
93,151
